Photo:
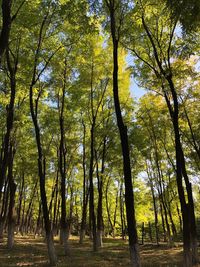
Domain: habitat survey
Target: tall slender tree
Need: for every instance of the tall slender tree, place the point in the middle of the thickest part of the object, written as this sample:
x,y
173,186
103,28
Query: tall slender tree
x,y
116,15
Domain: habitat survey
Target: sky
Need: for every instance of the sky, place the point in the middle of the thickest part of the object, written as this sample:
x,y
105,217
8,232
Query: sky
x,y
136,91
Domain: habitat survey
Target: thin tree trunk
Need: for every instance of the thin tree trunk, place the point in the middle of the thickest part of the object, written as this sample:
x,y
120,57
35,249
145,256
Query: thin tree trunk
x,y
20,201
53,190
194,141
100,225
71,208
12,190
55,208
180,219
57,216
171,220
62,165
21,228
107,207
38,220
154,206
163,221
115,215
85,190
4,209
122,212
28,212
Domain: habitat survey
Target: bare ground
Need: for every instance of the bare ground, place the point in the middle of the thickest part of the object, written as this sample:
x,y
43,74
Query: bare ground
x,y
32,252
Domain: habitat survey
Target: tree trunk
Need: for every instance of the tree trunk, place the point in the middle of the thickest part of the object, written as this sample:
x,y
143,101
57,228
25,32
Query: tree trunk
x,y
171,220
41,165
41,172
4,209
12,190
62,165
38,220
2,221
91,199
187,209
21,228
9,119
129,197
20,201
41,158
180,219
53,190
51,248
100,199
115,215
6,25
83,220
85,191
107,208
154,206
122,212
162,219
55,208
57,218
28,212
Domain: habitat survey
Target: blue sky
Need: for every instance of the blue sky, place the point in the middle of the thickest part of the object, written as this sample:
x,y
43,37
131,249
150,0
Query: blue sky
x,y
136,91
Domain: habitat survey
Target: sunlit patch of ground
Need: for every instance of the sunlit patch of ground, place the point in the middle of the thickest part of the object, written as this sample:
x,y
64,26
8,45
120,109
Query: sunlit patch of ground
x,y
32,252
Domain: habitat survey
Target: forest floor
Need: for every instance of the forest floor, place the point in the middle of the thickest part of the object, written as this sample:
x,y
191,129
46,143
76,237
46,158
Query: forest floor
x,y
32,252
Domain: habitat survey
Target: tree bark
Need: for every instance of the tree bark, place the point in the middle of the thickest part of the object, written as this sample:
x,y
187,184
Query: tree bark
x,y
154,206
100,224
36,232
10,118
62,165
129,196
108,208
84,206
41,158
91,199
6,26
85,191
4,209
20,201
187,209
122,212
12,190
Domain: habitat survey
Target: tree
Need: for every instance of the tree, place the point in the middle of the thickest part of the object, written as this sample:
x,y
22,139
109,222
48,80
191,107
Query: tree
x,y
187,12
6,26
41,156
157,57
116,14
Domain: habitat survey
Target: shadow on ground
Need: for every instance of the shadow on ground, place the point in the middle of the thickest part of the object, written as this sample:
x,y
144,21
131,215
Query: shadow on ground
x,y
32,253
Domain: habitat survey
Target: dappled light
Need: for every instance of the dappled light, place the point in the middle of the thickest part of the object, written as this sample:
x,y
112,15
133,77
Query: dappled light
x,y
30,251
100,133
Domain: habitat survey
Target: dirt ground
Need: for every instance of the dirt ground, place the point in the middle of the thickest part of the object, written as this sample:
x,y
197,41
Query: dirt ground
x,y
32,252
